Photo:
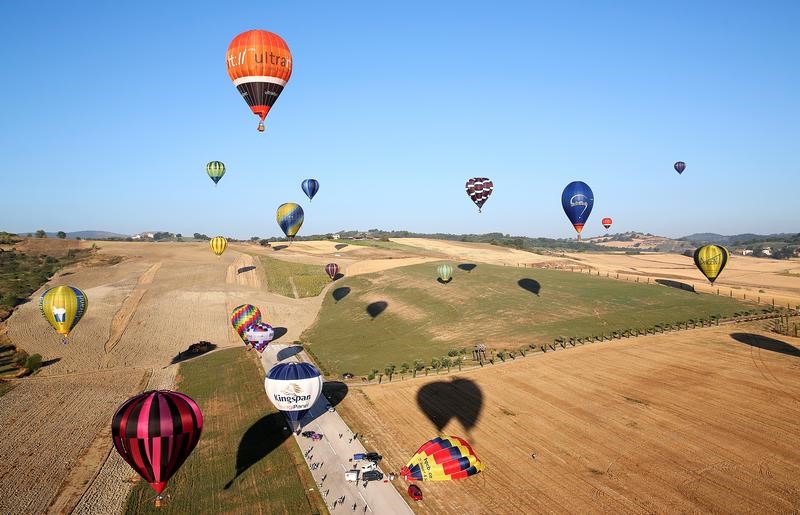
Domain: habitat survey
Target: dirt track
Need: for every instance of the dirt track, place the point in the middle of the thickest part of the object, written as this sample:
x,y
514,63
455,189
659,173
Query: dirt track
x,y
686,422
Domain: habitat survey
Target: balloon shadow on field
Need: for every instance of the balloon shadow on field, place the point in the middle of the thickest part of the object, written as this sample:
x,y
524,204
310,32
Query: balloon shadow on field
x,y
340,293
245,269
441,281
766,343
675,284
194,350
376,308
288,352
340,246
532,285
467,267
258,441
334,391
338,276
279,247
459,398
279,331
49,362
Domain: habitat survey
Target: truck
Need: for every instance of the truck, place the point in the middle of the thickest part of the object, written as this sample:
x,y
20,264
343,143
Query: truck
x,y
351,475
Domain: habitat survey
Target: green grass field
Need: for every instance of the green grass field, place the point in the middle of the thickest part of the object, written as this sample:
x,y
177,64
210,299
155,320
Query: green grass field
x,y
386,245
308,280
243,438
495,305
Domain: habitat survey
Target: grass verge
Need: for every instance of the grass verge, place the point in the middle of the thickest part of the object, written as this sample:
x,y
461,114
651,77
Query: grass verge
x,y
308,280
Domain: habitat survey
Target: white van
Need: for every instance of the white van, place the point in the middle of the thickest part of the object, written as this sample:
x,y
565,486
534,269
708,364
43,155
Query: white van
x,y
370,465
351,475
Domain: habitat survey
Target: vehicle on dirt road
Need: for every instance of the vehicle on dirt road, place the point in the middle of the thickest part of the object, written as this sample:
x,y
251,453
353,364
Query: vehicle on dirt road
x,y
373,456
415,492
370,465
352,475
316,436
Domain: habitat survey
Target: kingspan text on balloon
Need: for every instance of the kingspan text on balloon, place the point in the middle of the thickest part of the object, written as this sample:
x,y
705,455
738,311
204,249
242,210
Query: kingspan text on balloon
x,y
294,399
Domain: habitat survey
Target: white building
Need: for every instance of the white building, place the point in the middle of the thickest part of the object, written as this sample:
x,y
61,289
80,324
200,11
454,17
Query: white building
x,y
767,251
747,252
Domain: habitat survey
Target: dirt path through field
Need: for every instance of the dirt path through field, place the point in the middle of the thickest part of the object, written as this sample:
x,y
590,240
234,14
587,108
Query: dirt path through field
x,y
244,271
123,317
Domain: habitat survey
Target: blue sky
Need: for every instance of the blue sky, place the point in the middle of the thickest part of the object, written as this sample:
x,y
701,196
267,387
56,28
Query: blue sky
x,y
111,110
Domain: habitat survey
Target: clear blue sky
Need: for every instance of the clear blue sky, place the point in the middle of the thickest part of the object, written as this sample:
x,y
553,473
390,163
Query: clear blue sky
x,y
110,112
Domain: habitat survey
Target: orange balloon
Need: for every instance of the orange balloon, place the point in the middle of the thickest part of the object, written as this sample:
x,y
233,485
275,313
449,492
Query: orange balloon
x,y
259,64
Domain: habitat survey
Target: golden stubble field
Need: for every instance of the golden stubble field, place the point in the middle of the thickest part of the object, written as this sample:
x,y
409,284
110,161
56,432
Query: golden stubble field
x,y
163,297
694,421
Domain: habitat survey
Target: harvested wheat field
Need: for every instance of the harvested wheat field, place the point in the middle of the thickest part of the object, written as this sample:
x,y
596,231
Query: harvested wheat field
x,y
700,421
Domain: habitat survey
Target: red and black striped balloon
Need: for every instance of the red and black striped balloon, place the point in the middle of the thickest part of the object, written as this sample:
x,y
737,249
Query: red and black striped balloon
x,y
155,432
479,189
332,269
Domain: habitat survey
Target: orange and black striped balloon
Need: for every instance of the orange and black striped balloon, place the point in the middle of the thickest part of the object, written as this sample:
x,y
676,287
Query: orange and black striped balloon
x,y
259,64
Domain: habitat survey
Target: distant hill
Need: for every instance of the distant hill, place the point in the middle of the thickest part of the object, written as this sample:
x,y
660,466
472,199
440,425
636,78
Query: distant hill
x,y
742,239
633,240
84,235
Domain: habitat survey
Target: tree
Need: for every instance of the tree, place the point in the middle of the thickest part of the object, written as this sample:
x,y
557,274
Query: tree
x,y
41,234
446,362
179,235
61,234
389,370
403,369
435,364
30,235
459,360
77,238
418,365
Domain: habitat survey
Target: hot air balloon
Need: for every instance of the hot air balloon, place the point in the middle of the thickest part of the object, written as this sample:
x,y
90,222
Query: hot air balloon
x,y
332,269
259,64
711,260
290,218
63,307
479,189
218,245
215,170
680,166
606,222
577,200
442,459
242,317
310,187
445,273
259,335
155,432
293,388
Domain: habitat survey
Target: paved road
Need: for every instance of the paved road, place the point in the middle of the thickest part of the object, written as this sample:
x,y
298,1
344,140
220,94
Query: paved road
x,y
328,458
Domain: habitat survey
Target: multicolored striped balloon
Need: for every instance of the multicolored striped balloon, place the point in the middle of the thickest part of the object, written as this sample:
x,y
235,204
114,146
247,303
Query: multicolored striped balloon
x,y
218,245
63,307
242,317
155,432
215,170
442,459
445,272
332,269
259,335
290,218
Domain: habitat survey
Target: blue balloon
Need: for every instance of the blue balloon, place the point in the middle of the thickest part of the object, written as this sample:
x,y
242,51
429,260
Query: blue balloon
x,y
293,388
310,187
577,201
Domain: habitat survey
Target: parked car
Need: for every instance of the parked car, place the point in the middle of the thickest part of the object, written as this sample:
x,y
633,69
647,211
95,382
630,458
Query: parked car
x,y
308,434
372,475
359,456
351,475
370,465
373,456
316,436
415,492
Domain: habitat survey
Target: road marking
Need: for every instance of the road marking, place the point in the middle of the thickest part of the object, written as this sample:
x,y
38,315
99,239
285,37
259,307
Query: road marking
x,y
362,497
343,467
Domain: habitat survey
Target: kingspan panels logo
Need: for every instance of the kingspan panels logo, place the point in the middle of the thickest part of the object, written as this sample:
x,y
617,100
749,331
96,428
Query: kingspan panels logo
x,y
292,394
579,200
714,260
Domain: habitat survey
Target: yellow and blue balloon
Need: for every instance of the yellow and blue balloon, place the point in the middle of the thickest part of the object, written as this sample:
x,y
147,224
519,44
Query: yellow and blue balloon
x,y
290,218
63,307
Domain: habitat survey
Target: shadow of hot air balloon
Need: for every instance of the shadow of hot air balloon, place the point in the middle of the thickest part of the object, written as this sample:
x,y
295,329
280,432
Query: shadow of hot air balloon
x,y
244,269
442,401
766,343
467,267
288,352
675,284
340,246
376,308
532,285
340,293
279,331
263,437
279,247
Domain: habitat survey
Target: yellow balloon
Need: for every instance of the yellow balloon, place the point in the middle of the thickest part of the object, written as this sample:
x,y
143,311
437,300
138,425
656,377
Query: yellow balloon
x,y
218,245
711,260
63,307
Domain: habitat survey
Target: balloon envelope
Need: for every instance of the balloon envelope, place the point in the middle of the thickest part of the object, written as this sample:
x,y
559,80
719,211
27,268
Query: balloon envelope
x,y
290,218
310,187
63,307
445,272
259,334
577,200
711,260
442,459
215,170
155,432
218,245
479,189
242,317
680,166
293,388
606,222
332,269
259,64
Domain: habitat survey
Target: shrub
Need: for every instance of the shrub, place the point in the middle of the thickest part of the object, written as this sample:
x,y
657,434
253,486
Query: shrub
x,y
452,352
33,363
502,355
371,376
